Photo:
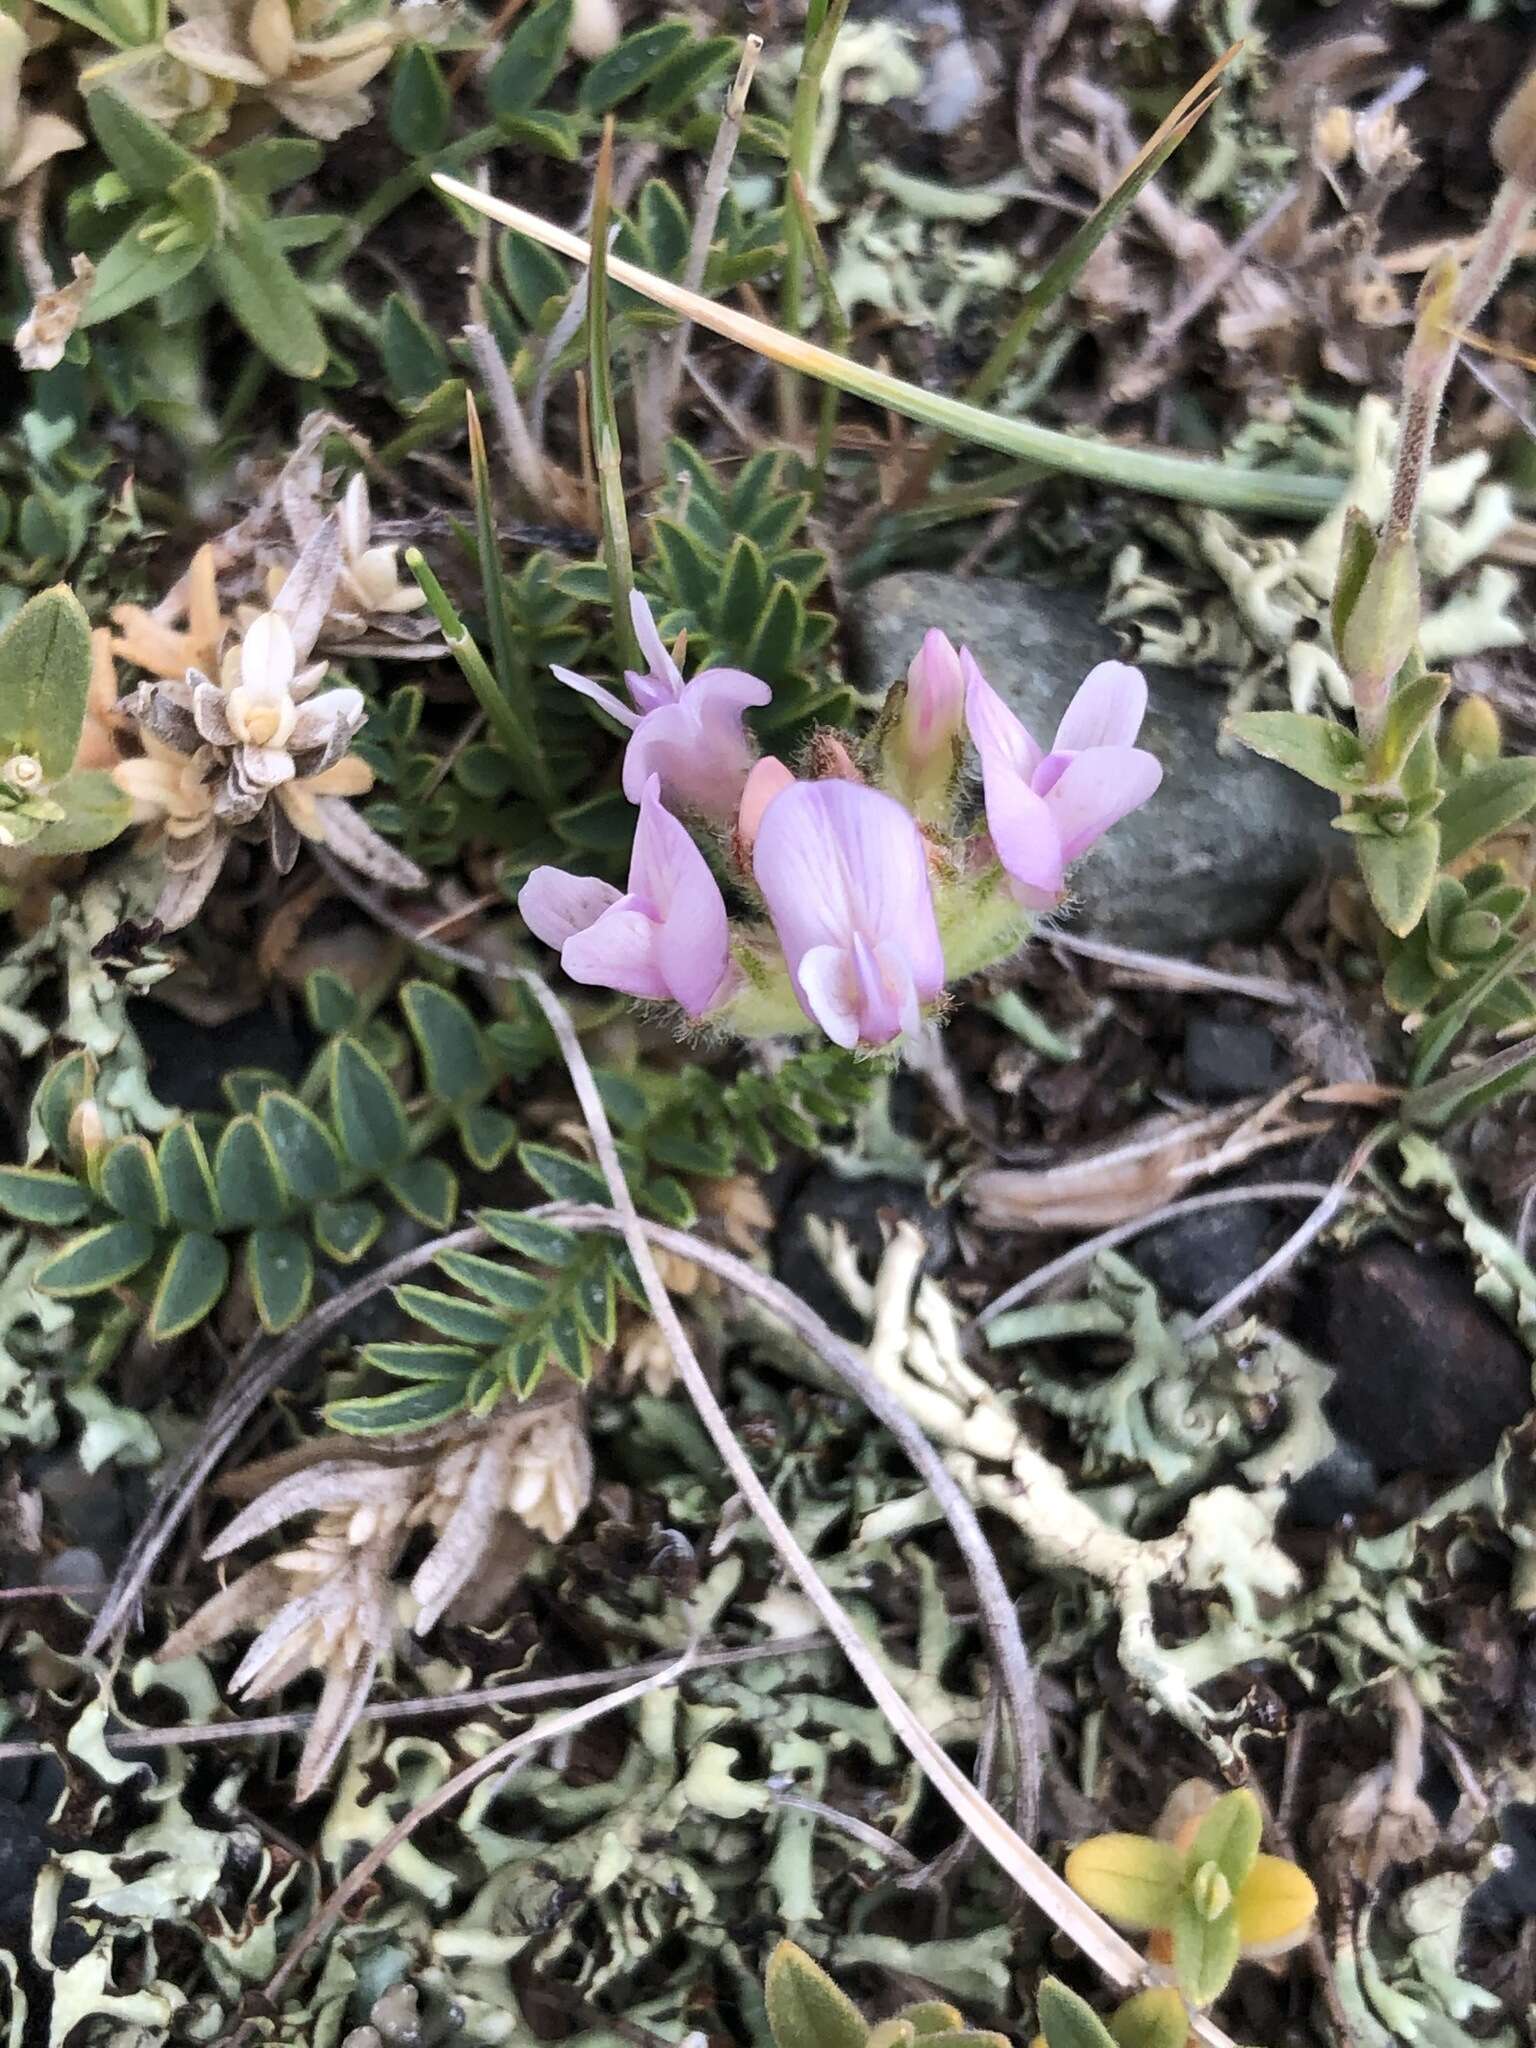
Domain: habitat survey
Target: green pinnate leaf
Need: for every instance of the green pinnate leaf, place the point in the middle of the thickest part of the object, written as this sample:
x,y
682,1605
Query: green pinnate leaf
x,y
422,1361
560,1175
630,64
527,67
366,1110
487,1135
97,1260
34,1195
280,1272
450,1315
331,1002
187,1178
130,1182
67,1083
421,1406
428,1190
494,1281
546,1243
191,1286
305,1150
420,111
449,1041
246,1176
345,1230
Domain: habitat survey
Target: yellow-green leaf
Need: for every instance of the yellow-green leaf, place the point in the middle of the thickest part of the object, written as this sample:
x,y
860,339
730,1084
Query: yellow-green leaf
x,y
1274,1906
1229,1837
1130,1879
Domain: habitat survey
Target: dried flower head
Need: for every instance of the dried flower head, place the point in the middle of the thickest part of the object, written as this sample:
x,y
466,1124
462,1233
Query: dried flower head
x,y
308,59
331,1603
263,753
28,138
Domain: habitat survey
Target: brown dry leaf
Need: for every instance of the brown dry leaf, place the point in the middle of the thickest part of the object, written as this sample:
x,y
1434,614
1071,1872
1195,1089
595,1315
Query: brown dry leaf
x,y
1155,1162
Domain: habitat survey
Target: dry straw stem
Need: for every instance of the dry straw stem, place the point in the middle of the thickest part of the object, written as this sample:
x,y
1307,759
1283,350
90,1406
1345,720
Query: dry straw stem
x,y
673,352
1050,1892
1045,1887
1196,482
1115,1183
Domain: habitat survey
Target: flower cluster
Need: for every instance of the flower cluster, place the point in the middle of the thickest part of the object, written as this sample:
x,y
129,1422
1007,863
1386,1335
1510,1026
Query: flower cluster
x,y
308,60
263,753
871,892
331,1603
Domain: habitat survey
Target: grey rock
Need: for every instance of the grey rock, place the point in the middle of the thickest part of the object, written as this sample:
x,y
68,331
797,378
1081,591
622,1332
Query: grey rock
x,y
1228,1057
1228,841
1428,1378
1196,1259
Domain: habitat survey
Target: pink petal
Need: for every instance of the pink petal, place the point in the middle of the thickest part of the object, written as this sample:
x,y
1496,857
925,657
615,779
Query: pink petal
x,y
936,685
1025,835
1095,791
663,669
670,876
698,746
722,694
585,687
999,737
838,861
830,993
1107,711
617,952
556,905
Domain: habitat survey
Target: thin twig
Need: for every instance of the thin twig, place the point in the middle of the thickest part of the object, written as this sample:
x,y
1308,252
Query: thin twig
x,y
520,1692
849,1824
1122,1233
1167,972
667,381
1280,1261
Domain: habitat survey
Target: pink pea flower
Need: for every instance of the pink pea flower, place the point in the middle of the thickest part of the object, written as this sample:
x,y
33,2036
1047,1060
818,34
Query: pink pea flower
x,y
665,937
1043,810
922,750
844,872
689,734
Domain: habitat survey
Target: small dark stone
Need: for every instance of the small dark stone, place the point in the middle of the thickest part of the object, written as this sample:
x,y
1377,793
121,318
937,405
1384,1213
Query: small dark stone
x,y
1338,1486
857,1205
187,1061
94,1510
1228,1057
1510,1894
1196,1259
1428,1378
